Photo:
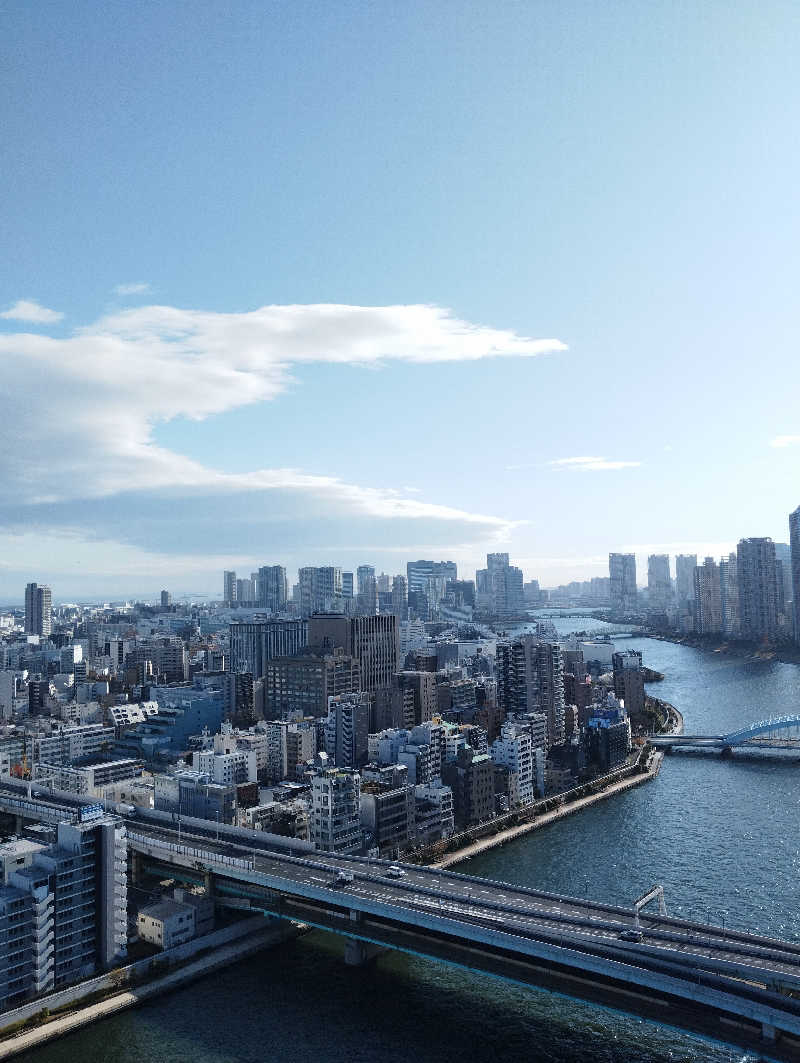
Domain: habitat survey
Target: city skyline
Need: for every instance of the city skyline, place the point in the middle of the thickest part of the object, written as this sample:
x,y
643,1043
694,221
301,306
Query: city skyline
x,y
488,305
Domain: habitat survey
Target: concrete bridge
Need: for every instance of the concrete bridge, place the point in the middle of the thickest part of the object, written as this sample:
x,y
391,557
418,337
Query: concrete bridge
x,y
735,987
777,735
719,982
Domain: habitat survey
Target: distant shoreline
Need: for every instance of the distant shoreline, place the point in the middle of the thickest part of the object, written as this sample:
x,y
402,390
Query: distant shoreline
x,y
784,653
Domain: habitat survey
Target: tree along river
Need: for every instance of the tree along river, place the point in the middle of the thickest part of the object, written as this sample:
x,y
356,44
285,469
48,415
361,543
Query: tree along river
x,y
721,836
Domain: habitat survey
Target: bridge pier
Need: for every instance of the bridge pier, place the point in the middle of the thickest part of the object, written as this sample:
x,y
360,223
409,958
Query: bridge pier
x,y
208,882
769,1035
358,953
135,866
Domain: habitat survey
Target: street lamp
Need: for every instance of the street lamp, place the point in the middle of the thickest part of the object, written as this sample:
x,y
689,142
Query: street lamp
x,y
217,824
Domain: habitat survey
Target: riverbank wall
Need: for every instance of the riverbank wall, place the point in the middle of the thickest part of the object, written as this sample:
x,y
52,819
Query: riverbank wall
x,y
47,1018
634,777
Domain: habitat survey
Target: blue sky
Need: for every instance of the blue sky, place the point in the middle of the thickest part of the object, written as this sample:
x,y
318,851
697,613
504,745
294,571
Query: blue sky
x,y
599,198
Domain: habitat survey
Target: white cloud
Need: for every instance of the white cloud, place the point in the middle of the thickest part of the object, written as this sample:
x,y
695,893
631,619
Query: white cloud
x,y
137,288
31,311
784,441
592,464
77,415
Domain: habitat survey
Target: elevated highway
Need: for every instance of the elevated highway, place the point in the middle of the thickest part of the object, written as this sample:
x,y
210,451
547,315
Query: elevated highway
x,y
735,987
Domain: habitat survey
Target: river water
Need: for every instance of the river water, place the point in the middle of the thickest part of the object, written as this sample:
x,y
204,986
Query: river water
x,y
720,836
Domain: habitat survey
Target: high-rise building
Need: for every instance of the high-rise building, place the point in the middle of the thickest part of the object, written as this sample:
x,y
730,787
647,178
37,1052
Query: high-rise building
x,y
336,810
400,597
229,587
372,640
246,591
783,557
499,587
347,585
62,907
659,583
320,589
365,577
794,543
367,587
346,729
301,685
419,572
707,598
729,595
514,750
166,599
38,610
423,690
255,642
758,590
622,573
272,588
530,678
624,661
685,564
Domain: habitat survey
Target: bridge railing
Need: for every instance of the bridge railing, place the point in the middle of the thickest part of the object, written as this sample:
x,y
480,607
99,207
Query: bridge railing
x,y
180,849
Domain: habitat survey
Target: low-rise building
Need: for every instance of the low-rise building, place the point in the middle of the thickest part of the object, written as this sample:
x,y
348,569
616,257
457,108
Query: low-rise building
x,y
166,923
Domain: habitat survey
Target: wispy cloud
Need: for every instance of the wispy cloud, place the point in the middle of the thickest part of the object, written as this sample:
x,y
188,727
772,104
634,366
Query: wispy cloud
x,y
31,311
81,455
137,288
591,464
784,441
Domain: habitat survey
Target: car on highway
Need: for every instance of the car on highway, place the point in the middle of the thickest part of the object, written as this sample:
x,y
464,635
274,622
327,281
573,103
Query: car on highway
x,y
394,872
343,878
631,935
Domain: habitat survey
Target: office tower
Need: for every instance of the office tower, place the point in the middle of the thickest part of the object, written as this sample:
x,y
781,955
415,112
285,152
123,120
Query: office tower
x,y
794,544
38,610
372,640
320,589
622,572
499,587
659,583
365,577
758,591
400,597
685,564
301,685
336,811
166,599
346,729
367,590
707,598
255,642
347,585
246,591
422,686
272,588
419,572
729,595
229,587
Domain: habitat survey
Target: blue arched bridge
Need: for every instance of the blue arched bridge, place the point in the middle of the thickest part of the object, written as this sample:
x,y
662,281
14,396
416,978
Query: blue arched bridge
x,y
778,734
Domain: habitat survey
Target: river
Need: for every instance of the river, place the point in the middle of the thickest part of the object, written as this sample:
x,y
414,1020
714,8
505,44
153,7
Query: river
x,y
720,836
